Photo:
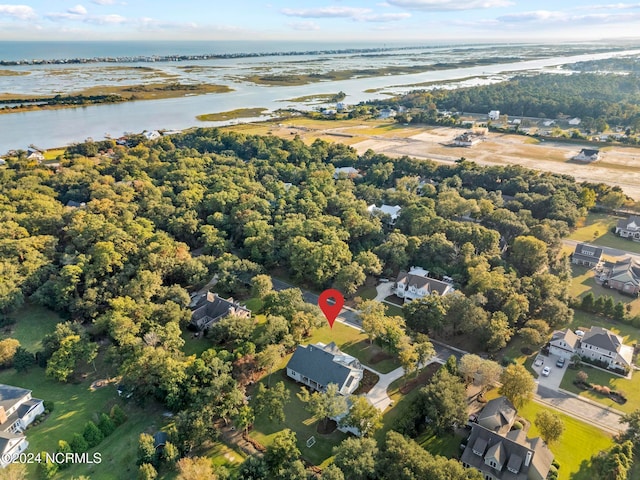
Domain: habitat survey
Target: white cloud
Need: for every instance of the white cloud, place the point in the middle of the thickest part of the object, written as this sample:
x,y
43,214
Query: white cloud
x,y
21,12
612,6
104,2
325,12
448,5
304,26
384,17
106,19
77,10
558,17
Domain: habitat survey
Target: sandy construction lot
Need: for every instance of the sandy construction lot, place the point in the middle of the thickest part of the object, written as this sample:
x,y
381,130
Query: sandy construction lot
x,y
618,165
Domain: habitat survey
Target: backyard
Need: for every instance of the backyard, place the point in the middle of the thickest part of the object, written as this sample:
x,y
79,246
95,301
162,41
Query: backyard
x,y
583,281
596,229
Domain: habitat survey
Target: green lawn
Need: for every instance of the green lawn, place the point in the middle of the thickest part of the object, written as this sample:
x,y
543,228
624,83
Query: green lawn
x,y
583,281
596,229
447,445
299,421
355,343
576,445
631,388
582,320
32,323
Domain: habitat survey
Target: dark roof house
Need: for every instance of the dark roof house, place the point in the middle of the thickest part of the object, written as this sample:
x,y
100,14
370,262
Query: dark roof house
x,y
509,457
211,308
587,155
319,365
498,415
587,255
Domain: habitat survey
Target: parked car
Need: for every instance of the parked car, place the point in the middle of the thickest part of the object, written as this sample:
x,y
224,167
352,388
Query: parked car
x,y
546,371
560,362
539,361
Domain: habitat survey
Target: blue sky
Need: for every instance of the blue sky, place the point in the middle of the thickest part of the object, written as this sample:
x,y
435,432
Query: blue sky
x,y
325,20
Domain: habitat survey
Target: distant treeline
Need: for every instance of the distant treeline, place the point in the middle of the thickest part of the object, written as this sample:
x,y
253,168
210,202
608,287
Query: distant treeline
x,y
62,100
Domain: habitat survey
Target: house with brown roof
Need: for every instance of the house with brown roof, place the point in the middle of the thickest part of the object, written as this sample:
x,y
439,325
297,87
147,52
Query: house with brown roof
x,y
417,284
210,308
506,457
629,227
587,255
623,276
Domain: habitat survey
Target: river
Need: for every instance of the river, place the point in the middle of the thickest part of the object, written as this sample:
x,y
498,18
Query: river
x,y
54,128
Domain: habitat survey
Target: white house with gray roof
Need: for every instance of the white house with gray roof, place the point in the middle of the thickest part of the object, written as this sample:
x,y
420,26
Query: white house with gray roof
x,y
18,409
210,308
392,212
564,343
316,366
629,227
587,255
417,284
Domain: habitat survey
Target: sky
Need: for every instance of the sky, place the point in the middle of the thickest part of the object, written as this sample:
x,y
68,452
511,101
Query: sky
x,y
319,20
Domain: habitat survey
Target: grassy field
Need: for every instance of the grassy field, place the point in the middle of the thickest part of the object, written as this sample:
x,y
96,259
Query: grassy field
x,y
32,323
596,229
631,388
53,154
583,320
299,421
583,281
447,445
576,445
232,114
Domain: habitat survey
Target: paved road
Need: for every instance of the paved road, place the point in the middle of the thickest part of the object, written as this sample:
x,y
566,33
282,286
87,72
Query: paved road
x,y
591,413
613,252
347,315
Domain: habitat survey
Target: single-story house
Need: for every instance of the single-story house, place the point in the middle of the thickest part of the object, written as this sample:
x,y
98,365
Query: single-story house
x,y
498,415
210,308
392,211
575,121
467,139
506,457
564,343
629,228
152,135
587,255
74,204
18,409
387,113
417,284
624,276
588,155
346,172
316,366
494,115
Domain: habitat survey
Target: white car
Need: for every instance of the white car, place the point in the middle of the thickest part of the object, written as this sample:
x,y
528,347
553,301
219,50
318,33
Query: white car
x,y
546,371
539,361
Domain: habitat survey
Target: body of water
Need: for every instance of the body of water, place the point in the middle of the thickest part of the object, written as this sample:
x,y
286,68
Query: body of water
x,y
53,128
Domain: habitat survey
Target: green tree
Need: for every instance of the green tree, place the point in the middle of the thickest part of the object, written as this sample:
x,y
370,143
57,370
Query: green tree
x,y
146,471
64,361
549,425
92,434
444,401
23,360
528,255
261,286
349,278
269,358
518,385
619,312
117,415
106,425
244,418
372,315
146,450
272,401
78,443
499,333
325,405
282,451
8,349
609,306
332,472
64,448
170,455
587,302
356,458
363,416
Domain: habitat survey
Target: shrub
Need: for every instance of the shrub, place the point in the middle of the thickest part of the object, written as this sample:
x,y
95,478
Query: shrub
x,y
582,376
605,390
106,425
147,472
117,415
78,444
596,388
48,405
517,425
92,434
555,464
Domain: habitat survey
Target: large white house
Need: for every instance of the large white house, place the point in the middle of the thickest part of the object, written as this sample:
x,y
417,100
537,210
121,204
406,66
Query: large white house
x,y
629,228
418,284
393,212
316,366
17,410
597,344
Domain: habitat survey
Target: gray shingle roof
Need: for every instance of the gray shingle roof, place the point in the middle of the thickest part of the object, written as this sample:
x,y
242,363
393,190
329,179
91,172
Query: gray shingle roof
x,y
420,282
587,252
318,364
602,338
626,271
10,395
499,409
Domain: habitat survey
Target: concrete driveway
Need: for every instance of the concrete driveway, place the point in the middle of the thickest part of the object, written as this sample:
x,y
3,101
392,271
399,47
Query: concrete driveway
x,y
551,382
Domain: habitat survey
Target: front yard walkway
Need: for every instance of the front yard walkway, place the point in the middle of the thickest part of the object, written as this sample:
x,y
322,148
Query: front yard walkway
x,y
378,394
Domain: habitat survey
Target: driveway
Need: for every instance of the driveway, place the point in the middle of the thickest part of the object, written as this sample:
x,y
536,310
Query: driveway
x,y
378,394
552,382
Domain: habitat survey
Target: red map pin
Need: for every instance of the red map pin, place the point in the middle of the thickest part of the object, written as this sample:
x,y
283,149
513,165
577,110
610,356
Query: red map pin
x,y
331,302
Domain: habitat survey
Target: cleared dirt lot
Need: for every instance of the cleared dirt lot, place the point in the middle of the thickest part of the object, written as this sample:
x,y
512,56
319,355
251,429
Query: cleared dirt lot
x,y
618,165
